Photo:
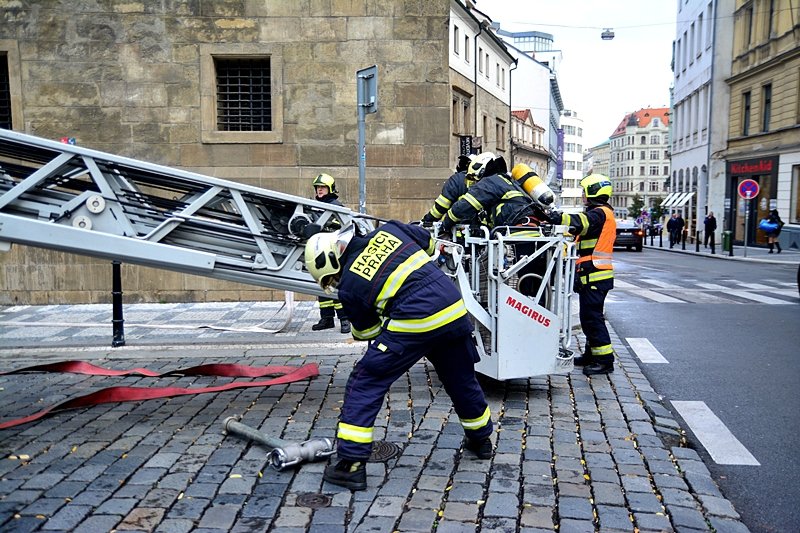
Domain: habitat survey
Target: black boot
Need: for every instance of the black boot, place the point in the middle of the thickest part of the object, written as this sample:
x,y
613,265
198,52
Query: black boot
x,y
770,246
778,245
324,323
598,368
480,447
581,360
350,474
345,328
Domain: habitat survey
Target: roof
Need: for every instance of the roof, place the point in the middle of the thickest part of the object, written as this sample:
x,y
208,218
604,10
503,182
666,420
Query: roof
x,y
642,118
522,114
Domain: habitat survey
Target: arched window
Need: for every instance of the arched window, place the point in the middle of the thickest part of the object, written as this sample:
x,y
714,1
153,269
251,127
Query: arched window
x,y
643,139
680,181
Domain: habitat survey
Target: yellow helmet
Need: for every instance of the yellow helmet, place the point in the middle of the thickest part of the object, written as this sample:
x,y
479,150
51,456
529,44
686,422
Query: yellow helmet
x,y
597,186
323,253
325,180
532,183
477,165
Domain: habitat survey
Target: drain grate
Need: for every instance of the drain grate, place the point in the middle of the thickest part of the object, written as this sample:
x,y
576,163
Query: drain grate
x,y
382,451
313,500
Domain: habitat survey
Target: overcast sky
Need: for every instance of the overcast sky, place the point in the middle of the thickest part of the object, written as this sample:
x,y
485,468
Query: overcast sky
x,y
601,80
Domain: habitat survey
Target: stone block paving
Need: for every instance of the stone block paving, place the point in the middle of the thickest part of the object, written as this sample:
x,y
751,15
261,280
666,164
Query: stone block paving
x,y
572,454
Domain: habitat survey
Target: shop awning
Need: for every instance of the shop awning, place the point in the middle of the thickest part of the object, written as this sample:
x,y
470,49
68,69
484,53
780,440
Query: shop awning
x,y
684,200
669,199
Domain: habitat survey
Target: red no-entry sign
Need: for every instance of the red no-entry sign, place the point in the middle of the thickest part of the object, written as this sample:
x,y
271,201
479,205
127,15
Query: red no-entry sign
x,y
748,189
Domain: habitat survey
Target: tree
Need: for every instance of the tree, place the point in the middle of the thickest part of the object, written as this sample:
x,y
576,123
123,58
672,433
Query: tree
x,y
635,209
656,212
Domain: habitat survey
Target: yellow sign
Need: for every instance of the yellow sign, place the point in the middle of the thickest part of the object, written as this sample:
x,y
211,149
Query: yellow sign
x,y
372,257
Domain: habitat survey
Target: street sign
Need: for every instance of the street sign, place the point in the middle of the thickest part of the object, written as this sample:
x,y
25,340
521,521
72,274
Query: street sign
x,y
748,189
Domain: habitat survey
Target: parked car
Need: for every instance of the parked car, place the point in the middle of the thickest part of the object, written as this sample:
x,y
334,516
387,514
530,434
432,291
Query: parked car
x,y
629,235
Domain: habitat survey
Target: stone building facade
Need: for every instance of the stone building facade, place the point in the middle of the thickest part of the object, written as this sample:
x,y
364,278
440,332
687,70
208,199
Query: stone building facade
x,y
144,79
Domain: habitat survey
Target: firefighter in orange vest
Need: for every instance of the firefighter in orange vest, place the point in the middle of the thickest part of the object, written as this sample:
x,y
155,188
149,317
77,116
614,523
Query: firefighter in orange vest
x,y
596,230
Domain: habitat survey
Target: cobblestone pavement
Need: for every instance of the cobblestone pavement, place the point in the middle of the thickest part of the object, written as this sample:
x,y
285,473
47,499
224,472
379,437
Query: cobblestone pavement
x,y
572,454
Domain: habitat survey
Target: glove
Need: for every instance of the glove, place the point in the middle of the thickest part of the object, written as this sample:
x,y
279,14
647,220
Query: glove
x,y
554,217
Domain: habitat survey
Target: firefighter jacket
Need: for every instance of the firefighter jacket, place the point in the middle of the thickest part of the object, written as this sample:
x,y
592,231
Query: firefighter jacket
x,y
389,283
503,199
333,199
596,231
454,188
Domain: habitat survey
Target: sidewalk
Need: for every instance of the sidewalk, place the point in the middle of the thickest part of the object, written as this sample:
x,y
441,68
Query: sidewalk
x,y
572,454
751,253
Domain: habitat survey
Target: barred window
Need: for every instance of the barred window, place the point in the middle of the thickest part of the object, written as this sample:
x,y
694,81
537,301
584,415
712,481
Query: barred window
x,y
5,94
244,101
241,94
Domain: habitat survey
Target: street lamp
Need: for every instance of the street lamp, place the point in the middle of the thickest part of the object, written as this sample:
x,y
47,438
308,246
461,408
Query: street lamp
x,y
607,34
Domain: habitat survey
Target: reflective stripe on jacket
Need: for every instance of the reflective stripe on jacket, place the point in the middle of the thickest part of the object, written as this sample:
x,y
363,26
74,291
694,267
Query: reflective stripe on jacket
x,y
596,231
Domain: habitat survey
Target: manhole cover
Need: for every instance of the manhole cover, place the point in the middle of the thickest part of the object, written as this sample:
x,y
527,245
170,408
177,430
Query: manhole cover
x,y
382,451
313,500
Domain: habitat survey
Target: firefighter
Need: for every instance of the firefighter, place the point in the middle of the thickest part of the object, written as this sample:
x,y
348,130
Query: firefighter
x,y
596,230
406,308
454,188
325,191
504,201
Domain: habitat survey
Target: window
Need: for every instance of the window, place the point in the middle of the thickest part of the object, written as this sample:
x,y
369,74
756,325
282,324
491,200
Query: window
x,y
641,171
487,65
241,97
642,154
653,154
766,106
497,74
580,132
655,139
456,39
466,48
10,86
666,171
654,170
480,60
5,94
699,35
794,205
500,133
643,139
746,113
709,25
461,114
748,26
569,130
503,80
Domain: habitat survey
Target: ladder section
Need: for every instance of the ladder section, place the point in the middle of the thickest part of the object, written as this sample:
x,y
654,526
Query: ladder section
x,y
87,202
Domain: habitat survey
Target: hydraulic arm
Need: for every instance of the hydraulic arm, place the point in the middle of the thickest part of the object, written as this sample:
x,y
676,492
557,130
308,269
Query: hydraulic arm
x,y
83,201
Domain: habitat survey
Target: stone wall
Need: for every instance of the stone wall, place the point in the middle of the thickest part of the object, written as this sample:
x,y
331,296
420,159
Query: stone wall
x,y
125,78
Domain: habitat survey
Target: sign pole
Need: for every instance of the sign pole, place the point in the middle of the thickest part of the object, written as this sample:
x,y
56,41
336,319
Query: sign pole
x,y
367,96
746,220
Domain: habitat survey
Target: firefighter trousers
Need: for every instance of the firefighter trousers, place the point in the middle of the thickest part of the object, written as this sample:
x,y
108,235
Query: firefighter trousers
x,y
592,301
453,358
328,308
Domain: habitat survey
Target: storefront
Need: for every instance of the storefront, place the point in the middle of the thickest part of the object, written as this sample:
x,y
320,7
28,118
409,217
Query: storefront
x,y
763,171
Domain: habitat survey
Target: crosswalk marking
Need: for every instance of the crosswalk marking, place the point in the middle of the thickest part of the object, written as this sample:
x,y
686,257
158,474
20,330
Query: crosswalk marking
x,y
712,286
659,283
619,284
758,298
754,286
714,435
658,297
645,351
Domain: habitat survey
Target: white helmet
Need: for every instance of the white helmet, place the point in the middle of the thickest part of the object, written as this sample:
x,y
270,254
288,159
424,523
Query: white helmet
x,y
477,165
323,253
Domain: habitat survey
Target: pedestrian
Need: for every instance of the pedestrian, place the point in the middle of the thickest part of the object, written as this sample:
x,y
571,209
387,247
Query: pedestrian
x,y
325,191
407,308
595,230
454,188
774,219
709,227
675,229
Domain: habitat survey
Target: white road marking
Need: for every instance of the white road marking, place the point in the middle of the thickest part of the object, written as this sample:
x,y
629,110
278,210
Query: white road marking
x,y
619,284
759,298
658,297
714,435
645,351
661,284
713,286
754,286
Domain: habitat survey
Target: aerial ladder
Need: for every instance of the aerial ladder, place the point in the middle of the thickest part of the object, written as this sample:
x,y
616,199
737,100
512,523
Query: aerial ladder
x,y
78,200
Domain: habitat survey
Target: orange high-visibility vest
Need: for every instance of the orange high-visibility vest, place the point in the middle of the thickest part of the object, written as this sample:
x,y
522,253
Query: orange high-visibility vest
x,y
599,250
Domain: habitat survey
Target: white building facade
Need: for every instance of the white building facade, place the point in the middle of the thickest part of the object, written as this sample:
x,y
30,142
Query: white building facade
x,y
572,126
701,64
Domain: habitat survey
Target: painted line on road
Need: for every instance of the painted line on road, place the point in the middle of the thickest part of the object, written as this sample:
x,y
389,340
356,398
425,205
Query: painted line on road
x,y
619,284
713,286
659,283
657,296
714,435
645,351
759,298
